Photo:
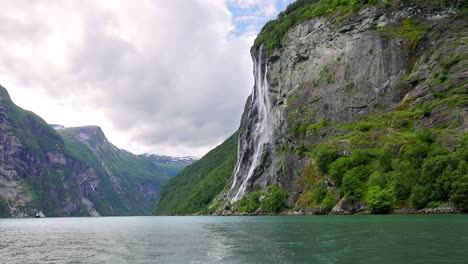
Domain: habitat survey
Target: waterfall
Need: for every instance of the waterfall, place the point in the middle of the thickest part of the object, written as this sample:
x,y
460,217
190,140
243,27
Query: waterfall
x,y
258,133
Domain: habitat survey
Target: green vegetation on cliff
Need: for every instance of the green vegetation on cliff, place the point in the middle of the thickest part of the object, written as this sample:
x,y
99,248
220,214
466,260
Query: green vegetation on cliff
x,y
274,32
193,189
411,168
387,162
29,128
269,201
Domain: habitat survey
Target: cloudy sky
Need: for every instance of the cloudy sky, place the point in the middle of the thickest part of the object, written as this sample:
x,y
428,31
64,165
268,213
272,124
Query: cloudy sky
x,y
159,76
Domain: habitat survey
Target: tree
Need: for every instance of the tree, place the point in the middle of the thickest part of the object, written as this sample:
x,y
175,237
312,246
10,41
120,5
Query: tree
x,y
324,157
329,201
274,201
420,196
459,191
378,200
352,185
319,191
339,168
404,178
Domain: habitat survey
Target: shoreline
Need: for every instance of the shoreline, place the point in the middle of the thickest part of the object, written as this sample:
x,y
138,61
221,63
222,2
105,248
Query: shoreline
x,y
400,211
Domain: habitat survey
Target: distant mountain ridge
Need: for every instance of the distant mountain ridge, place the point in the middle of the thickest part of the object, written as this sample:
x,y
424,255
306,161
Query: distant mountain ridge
x,y
157,158
171,160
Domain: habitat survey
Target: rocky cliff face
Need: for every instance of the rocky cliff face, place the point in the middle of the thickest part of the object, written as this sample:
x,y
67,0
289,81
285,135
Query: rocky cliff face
x,y
330,71
36,173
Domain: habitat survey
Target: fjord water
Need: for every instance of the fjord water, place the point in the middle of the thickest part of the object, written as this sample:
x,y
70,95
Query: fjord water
x,y
315,239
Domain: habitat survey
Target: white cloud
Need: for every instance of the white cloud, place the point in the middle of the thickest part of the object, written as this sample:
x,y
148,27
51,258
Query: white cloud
x,y
265,8
158,76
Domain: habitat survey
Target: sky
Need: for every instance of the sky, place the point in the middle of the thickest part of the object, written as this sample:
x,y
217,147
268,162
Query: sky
x,y
158,76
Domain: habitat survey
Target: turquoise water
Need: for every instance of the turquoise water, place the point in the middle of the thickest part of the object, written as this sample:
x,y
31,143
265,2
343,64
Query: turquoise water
x,y
315,239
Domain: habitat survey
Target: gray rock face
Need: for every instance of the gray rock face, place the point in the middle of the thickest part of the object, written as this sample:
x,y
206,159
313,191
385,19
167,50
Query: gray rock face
x,y
339,72
345,207
20,168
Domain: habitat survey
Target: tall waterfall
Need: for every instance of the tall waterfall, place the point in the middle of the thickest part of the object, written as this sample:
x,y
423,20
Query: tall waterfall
x,y
255,141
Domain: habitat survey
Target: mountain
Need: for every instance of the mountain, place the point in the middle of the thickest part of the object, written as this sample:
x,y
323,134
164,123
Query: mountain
x,y
162,159
131,183
70,171
358,107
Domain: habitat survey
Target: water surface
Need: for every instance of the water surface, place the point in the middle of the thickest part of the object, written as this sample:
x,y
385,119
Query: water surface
x,y
315,239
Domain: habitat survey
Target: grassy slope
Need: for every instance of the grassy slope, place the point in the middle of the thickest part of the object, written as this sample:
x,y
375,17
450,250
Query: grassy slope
x,y
197,185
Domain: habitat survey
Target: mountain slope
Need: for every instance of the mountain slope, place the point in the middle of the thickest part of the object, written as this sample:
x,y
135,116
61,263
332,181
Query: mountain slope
x,y
130,183
71,173
197,185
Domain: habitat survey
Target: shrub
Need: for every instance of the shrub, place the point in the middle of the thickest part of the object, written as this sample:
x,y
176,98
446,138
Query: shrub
x,y
325,157
352,185
459,190
250,203
329,201
339,168
433,167
274,201
404,178
377,178
385,157
419,196
378,200
319,191
415,152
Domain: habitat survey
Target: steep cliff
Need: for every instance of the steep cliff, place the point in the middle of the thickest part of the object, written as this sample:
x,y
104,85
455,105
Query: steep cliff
x,y
380,78
70,173
36,172
357,106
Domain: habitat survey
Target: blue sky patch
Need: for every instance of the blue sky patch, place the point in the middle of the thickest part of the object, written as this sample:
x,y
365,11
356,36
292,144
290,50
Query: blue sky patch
x,y
252,18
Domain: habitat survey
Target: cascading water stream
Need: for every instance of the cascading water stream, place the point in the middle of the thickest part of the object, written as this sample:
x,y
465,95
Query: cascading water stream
x,y
259,128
